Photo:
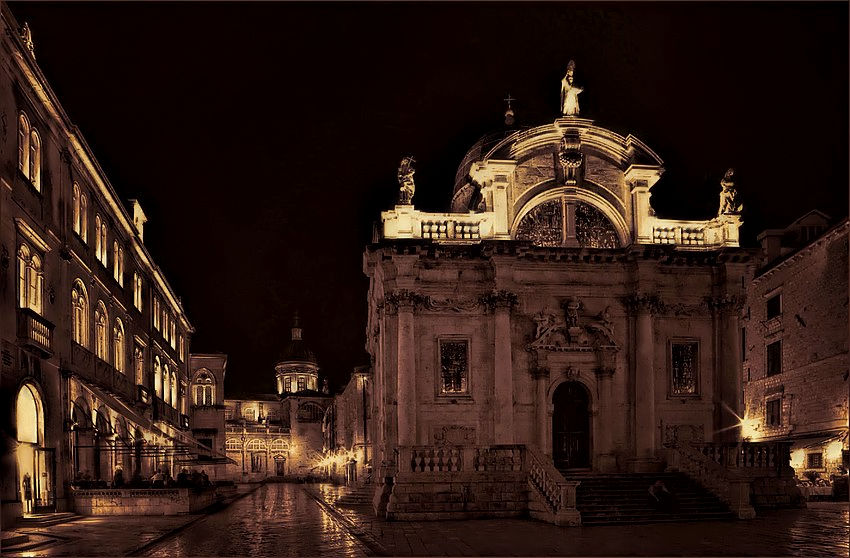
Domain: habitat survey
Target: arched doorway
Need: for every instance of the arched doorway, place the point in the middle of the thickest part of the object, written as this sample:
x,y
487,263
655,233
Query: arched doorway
x,y
571,426
36,464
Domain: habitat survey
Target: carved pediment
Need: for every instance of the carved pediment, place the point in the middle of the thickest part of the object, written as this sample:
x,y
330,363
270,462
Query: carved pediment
x,y
573,330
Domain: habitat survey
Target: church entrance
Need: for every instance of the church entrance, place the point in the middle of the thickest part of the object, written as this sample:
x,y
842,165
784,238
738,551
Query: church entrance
x,y
571,426
279,466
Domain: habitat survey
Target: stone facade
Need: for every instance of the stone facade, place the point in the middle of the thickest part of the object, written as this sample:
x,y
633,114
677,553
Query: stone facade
x,y
94,341
797,310
553,309
347,430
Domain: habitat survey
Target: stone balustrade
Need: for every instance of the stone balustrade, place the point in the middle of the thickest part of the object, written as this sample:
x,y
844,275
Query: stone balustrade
x,y
35,331
454,482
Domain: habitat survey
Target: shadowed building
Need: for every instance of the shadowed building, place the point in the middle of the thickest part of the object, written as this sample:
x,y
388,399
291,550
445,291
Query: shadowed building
x,y
795,350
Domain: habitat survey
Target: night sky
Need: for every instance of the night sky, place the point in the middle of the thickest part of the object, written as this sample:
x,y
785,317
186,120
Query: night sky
x,y
262,140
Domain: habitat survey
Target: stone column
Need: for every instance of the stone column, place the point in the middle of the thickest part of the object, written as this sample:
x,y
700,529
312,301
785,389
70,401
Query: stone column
x,y
541,379
728,375
503,414
642,307
403,302
606,461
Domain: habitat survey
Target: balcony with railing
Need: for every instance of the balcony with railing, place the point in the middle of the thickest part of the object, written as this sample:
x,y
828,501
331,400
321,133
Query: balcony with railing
x,y
166,413
236,428
35,332
91,368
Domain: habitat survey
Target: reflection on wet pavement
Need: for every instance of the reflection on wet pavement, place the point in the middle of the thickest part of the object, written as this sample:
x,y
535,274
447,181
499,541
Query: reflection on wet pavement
x,y
276,520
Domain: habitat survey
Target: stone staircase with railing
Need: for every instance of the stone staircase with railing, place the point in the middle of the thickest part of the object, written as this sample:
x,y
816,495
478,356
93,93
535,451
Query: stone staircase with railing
x,y
618,499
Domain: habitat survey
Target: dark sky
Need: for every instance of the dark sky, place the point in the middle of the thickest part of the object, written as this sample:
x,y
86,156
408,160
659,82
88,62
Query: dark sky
x,y
263,139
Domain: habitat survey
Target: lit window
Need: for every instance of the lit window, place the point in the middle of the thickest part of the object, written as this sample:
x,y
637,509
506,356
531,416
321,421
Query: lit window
x,y
287,384
815,460
248,414
139,365
233,444
30,279
182,348
157,376
103,243
228,413
75,216
156,313
100,328
773,412
118,263
204,389
137,291
35,160
279,445
302,383
118,346
80,311
84,217
172,335
100,239
256,445
454,367
24,144
774,358
173,401
774,306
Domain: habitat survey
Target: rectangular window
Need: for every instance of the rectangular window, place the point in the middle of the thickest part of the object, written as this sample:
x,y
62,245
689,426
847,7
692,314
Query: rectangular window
x,y
287,384
684,360
156,313
248,414
815,460
228,413
774,306
773,412
302,383
774,358
454,366
182,348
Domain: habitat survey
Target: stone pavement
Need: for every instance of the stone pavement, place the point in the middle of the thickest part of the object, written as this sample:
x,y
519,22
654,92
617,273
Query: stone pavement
x,y
821,530
103,535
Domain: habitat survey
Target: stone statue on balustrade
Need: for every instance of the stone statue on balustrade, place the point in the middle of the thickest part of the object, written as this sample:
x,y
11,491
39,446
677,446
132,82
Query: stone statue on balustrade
x,y
405,179
569,92
729,204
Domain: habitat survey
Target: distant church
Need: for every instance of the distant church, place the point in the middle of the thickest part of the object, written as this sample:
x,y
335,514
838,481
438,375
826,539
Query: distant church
x,y
267,434
551,307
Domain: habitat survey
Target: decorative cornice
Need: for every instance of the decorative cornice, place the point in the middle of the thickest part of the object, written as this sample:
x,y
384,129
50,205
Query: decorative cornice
x,y
402,299
451,304
725,303
499,299
643,303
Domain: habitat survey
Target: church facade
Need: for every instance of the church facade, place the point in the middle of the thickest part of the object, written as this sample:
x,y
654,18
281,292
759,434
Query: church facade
x,y
552,308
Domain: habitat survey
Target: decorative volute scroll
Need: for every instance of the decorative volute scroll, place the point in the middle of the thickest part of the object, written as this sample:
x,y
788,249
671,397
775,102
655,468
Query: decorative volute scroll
x,y
401,299
642,302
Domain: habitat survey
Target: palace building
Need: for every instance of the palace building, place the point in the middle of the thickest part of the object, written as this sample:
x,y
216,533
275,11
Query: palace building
x,y
94,341
795,344
279,434
551,308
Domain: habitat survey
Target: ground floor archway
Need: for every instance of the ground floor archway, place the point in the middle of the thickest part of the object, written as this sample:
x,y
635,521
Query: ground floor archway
x,y
36,465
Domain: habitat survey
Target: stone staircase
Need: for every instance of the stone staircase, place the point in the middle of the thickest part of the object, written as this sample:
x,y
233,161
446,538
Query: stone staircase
x,y
357,496
623,498
47,519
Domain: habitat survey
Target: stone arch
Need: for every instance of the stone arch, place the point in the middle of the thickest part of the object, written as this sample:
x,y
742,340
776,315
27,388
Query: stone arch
x,y
572,425
594,199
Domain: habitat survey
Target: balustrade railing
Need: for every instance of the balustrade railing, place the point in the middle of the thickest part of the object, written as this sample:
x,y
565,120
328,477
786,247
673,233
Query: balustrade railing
x,y
91,368
435,459
35,331
747,455
451,229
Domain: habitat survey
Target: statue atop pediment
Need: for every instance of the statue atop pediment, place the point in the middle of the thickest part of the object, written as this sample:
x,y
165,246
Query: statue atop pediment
x,y
405,179
729,195
569,92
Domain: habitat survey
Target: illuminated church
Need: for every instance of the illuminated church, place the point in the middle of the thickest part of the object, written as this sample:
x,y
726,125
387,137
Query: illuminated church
x,y
550,313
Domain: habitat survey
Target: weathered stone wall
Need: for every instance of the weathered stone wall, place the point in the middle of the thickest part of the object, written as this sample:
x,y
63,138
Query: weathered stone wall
x,y
435,496
172,501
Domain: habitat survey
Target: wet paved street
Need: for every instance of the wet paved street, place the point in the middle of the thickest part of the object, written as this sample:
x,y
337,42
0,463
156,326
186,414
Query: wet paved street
x,y
302,520
276,520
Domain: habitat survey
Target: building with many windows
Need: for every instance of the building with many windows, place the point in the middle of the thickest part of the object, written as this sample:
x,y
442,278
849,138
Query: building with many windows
x,y
94,341
796,341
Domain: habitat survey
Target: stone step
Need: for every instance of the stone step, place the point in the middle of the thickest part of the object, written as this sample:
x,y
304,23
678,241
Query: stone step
x,y
13,540
635,520
48,519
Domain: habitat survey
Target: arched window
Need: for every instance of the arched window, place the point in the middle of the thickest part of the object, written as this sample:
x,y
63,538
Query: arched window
x,y
97,247
103,244
233,444
118,263
166,383
248,414
75,216
118,346
30,279
279,445
204,389
256,445
173,389
84,217
157,376
101,343
35,160
137,291
24,144
139,365
310,412
80,310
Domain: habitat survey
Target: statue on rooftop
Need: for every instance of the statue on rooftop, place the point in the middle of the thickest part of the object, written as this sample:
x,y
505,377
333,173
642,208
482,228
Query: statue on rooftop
x,y
405,180
729,195
569,92
26,37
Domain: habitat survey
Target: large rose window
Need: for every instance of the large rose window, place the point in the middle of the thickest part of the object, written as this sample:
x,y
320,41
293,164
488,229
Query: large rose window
x,y
546,225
